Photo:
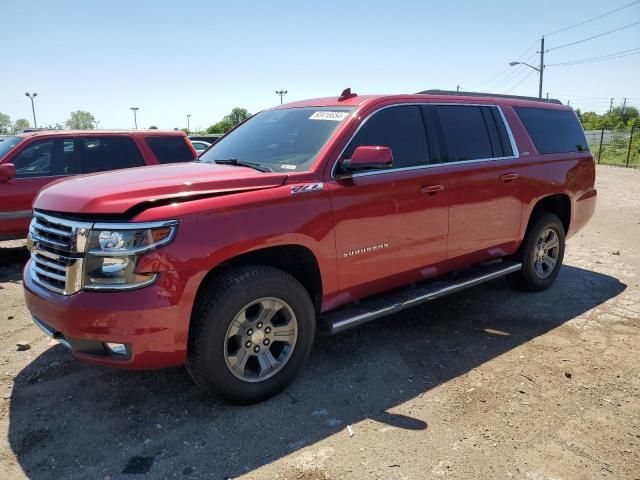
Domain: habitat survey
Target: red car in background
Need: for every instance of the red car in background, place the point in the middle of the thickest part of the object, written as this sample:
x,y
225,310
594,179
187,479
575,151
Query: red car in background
x,y
29,161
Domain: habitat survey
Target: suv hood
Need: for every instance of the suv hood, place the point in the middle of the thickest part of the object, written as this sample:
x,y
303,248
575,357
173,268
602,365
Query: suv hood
x,y
118,191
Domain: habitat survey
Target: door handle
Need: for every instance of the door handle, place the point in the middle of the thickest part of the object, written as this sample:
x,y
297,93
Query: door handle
x,y
507,177
432,189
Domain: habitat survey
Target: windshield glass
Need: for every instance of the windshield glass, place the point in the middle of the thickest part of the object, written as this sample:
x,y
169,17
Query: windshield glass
x,y
8,144
283,140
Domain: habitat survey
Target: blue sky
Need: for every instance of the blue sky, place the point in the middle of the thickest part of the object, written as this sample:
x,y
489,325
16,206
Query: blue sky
x,y
206,57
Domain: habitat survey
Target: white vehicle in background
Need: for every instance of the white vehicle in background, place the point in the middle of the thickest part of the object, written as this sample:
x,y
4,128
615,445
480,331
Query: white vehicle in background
x,y
200,146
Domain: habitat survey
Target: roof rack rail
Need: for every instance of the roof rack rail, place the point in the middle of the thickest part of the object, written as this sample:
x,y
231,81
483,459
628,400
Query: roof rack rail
x,y
481,94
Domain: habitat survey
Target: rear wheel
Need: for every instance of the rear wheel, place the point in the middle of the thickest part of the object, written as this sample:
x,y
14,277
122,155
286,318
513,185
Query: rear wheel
x,y
251,332
541,253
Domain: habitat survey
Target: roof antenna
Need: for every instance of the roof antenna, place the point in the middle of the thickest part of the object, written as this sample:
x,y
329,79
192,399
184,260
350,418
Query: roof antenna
x,y
346,95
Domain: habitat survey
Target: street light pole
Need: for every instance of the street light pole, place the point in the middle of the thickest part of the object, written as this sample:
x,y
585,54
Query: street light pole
x,y
282,93
135,116
33,108
539,69
188,122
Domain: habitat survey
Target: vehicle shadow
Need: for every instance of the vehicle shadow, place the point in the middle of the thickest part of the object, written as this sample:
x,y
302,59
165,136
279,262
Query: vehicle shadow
x,y
73,420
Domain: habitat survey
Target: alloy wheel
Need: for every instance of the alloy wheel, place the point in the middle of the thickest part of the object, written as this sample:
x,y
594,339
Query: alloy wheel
x,y
261,339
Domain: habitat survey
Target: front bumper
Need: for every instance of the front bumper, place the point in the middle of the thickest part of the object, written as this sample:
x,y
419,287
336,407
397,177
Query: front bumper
x,y
153,322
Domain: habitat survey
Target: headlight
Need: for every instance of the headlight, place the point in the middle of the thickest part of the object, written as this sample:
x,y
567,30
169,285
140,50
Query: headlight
x,y
114,250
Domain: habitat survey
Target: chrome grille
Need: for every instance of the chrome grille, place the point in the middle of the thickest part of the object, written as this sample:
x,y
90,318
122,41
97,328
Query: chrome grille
x,y
57,248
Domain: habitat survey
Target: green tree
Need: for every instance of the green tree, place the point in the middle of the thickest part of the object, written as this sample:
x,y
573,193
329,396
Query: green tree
x,y
21,124
237,115
81,120
5,123
221,127
617,119
153,127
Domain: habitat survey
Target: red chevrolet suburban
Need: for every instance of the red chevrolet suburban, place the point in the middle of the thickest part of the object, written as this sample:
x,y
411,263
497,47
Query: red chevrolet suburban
x,y
29,161
328,212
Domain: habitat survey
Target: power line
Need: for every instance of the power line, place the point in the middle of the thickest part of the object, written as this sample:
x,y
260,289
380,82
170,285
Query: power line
x,y
594,18
624,53
581,96
594,36
516,71
491,80
522,80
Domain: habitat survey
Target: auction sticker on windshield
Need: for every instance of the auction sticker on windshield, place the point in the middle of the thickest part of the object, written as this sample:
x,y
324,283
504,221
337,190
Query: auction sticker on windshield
x,y
325,115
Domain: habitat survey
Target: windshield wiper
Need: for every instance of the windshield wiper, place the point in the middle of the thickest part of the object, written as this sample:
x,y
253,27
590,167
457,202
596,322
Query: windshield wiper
x,y
240,163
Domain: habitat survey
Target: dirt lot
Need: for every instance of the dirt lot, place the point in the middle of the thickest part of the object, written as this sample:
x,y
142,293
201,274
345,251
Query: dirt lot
x,y
489,383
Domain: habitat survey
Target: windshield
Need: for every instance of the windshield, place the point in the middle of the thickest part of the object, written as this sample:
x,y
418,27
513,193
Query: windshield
x,y
282,140
8,144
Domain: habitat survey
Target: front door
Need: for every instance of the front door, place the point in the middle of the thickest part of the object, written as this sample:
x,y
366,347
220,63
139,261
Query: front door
x,y
37,164
391,225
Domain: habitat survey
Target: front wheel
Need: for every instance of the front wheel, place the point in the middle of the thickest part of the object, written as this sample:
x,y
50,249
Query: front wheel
x,y
251,332
541,254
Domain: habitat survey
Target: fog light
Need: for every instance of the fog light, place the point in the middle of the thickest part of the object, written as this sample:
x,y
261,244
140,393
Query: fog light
x,y
117,348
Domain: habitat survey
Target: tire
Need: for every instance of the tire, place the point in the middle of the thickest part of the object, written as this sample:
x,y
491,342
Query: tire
x,y
531,277
223,339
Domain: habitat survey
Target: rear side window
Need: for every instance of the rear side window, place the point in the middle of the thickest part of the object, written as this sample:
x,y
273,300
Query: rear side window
x,y
170,149
553,131
110,153
399,128
465,132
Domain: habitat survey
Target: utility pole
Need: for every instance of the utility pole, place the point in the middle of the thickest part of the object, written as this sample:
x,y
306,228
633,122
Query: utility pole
x,y
547,95
624,105
33,108
457,88
611,105
188,122
541,66
282,93
135,116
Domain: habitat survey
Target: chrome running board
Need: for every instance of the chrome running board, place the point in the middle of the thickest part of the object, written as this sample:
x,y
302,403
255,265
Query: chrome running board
x,y
378,306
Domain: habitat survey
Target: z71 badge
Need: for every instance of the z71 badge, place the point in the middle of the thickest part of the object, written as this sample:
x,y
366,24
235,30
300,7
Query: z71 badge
x,y
307,188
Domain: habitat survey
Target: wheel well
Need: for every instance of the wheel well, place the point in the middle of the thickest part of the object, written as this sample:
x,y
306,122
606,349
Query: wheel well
x,y
558,204
296,260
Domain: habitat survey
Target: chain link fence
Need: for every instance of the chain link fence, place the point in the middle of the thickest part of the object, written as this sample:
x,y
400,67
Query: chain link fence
x,y
616,147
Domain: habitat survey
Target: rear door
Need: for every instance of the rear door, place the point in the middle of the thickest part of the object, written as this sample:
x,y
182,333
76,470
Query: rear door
x,y
481,160
390,228
40,162
109,152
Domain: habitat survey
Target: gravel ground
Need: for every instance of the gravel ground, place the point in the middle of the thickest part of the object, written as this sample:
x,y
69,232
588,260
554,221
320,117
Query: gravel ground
x,y
487,383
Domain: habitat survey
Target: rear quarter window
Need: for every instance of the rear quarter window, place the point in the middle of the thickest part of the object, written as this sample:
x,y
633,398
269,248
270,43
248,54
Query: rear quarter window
x,y
553,131
172,149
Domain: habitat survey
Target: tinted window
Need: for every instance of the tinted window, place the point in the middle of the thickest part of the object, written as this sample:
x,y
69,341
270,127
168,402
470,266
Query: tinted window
x,y
170,149
465,133
35,160
67,156
399,128
553,131
110,153
505,142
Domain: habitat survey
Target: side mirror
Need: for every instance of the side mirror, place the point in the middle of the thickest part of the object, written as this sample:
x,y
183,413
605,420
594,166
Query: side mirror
x,y
367,158
7,171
